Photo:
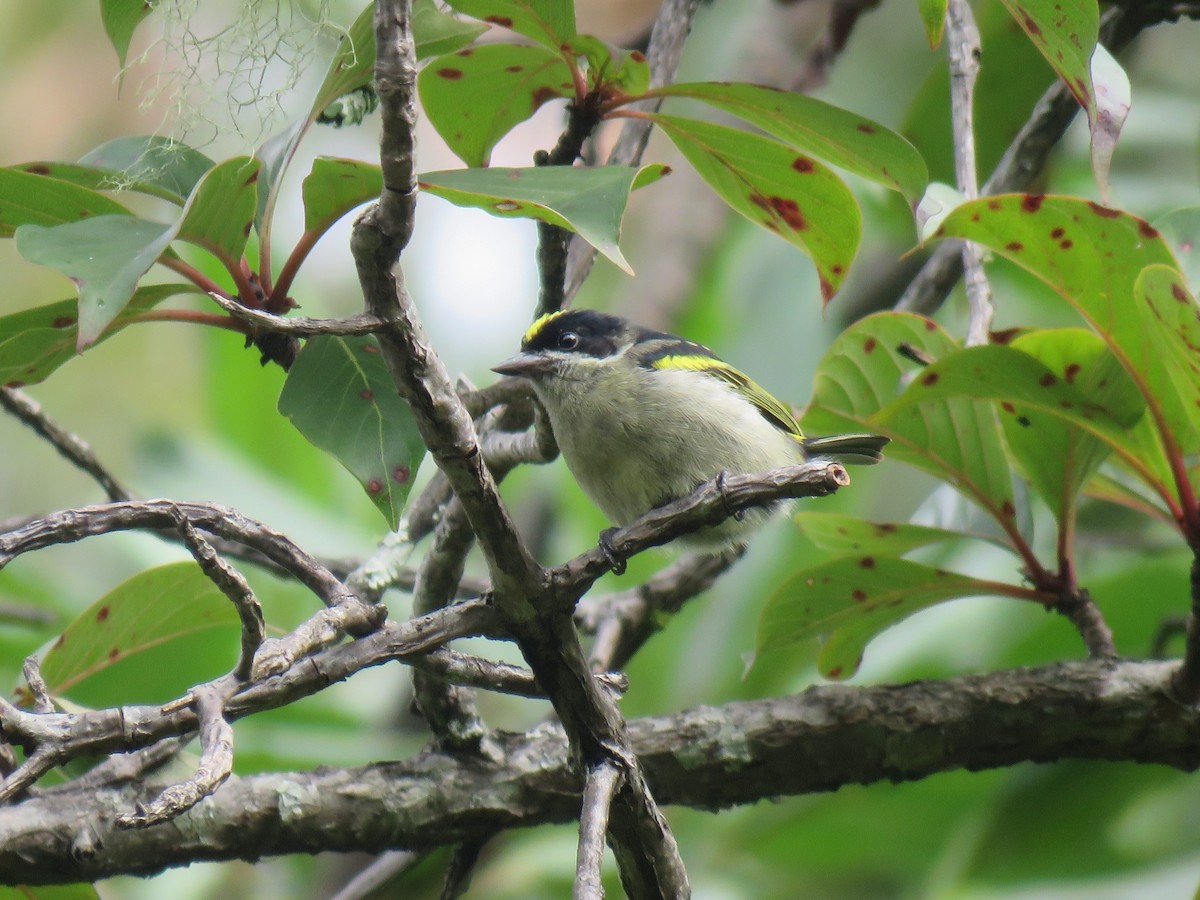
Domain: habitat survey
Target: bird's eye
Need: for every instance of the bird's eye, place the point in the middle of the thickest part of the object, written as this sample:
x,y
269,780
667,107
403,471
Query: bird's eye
x,y
568,340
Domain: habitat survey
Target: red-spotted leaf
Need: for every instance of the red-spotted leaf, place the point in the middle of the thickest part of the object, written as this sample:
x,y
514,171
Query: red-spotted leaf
x,y
588,201
1092,256
850,535
475,96
436,33
340,396
31,198
1171,321
773,185
549,22
220,212
836,135
121,19
336,186
35,342
150,164
105,257
933,17
956,439
852,599
156,621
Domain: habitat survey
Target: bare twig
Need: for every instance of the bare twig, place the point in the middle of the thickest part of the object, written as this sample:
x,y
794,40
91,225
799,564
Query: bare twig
x,y
300,326
843,16
462,865
382,871
70,447
601,784
32,672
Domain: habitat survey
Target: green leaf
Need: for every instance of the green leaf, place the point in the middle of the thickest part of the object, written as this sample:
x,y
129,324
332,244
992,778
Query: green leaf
x,y
849,534
549,22
1092,256
35,342
588,201
854,598
334,186
220,212
341,397
151,162
168,606
1065,34
121,19
836,135
105,257
1171,323
33,199
933,17
436,33
1180,229
475,96
772,185
958,440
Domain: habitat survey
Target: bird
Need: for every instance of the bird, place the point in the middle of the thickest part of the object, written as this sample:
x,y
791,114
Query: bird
x,y
643,418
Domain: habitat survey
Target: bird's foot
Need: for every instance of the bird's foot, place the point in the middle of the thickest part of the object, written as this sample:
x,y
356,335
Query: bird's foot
x,y
610,554
736,514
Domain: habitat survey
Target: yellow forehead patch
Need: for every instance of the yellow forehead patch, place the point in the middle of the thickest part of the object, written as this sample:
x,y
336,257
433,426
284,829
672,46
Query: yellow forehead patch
x,y
539,324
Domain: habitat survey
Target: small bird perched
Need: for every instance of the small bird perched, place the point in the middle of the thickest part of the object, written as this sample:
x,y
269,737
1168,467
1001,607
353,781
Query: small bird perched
x,y
643,418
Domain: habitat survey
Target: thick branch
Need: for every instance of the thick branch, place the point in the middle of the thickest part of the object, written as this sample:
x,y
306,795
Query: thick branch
x,y
706,757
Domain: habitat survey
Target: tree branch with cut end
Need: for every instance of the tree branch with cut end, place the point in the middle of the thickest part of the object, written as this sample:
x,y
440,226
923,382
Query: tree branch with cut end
x,y
600,786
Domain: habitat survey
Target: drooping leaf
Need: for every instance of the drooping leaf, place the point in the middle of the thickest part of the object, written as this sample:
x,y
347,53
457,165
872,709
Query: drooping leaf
x,y
35,342
958,440
851,535
220,212
341,397
148,162
852,599
549,22
334,186
773,185
105,256
587,201
121,19
31,198
933,17
475,96
168,605
1114,97
435,33
836,135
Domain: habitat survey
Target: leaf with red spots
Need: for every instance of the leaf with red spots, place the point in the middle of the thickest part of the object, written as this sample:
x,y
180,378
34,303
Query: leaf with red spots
x,y
1171,321
933,17
475,97
549,22
341,397
843,534
436,33
836,135
32,199
220,211
958,440
333,187
170,620
1092,256
848,604
35,342
772,185
588,201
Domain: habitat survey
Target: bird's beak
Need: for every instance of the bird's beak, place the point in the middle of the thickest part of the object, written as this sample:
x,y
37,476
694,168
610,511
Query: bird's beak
x,y
528,365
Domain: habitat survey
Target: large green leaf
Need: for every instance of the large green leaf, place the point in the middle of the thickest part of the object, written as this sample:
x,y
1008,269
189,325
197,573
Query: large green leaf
x,y
35,342
31,198
152,164
436,33
852,599
588,201
220,212
105,256
1092,256
549,22
958,440
333,187
169,606
341,397
475,96
836,135
773,185
848,534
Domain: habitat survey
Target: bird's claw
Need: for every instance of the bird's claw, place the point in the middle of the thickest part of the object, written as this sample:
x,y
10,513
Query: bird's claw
x,y
610,554
736,514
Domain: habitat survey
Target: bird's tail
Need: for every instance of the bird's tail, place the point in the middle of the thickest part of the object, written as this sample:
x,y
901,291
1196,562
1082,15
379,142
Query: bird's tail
x,y
860,449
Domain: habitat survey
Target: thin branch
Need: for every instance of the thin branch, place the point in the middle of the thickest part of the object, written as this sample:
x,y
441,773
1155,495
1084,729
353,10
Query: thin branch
x,y
1185,683
601,785
462,866
300,326
385,869
70,447
963,46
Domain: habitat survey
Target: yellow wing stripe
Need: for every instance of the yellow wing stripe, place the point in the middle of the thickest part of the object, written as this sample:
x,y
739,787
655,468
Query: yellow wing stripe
x,y
771,408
